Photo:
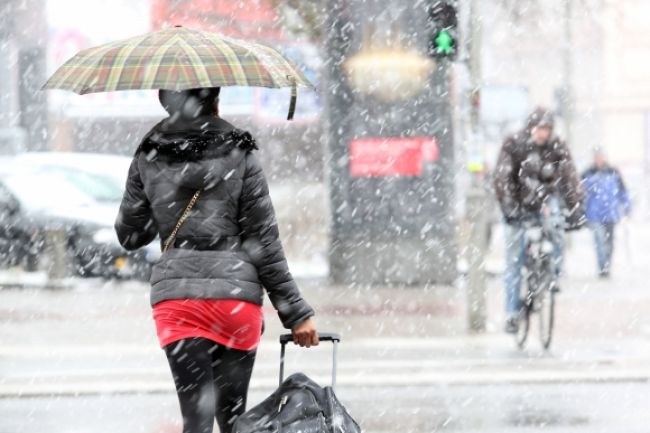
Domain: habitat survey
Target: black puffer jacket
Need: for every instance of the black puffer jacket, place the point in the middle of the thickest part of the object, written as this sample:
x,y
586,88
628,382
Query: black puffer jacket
x,y
229,246
527,174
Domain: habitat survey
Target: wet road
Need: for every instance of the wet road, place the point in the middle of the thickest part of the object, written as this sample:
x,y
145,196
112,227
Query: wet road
x,y
86,360
556,408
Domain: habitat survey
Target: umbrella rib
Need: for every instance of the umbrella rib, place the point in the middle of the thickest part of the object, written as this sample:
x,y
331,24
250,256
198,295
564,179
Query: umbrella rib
x,y
122,56
198,64
239,75
85,84
268,58
72,65
297,74
183,71
151,73
277,68
85,63
253,49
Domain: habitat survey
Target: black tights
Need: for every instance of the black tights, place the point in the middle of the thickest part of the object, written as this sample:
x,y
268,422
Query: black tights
x,y
211,381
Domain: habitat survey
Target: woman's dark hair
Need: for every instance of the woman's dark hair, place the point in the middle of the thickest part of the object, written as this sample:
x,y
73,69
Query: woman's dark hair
x,y
190,103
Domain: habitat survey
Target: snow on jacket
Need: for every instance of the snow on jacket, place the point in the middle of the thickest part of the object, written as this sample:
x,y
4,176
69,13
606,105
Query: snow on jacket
x,y
229,246
526,174
607,197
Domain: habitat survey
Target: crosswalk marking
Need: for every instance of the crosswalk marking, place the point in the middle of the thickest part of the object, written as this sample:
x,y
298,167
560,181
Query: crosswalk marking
x,y
165,384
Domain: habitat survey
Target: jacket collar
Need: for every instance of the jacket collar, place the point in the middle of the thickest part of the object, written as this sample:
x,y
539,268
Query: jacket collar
x,y
203,137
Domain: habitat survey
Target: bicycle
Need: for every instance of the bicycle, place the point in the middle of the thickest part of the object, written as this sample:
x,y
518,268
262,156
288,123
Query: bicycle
x,y
541,279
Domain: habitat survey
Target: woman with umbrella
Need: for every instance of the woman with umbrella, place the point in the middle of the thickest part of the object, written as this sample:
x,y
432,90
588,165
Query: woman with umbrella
x,y
196,182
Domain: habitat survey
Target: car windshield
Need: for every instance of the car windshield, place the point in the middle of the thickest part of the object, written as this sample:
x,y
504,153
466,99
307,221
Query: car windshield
x,y
101,188
45,190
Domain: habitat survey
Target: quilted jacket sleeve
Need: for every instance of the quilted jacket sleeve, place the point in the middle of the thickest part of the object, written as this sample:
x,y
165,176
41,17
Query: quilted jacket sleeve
x,y
260,236
135,225
570,186
504,182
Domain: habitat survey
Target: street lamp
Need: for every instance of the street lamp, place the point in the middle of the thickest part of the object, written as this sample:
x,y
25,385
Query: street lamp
x,y
389,74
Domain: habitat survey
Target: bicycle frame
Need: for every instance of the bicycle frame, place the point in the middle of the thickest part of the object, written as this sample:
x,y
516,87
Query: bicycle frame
x,y
538,261
541,277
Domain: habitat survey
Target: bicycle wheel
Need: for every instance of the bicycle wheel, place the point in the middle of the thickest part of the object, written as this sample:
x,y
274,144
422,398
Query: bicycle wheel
x,y
524,325
546,311
526,307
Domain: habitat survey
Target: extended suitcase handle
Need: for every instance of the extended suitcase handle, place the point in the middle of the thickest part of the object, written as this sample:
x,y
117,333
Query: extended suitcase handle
x,y
322,336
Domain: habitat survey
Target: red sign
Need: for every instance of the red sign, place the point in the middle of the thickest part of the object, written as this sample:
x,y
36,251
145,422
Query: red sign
x,y
391,156
256,19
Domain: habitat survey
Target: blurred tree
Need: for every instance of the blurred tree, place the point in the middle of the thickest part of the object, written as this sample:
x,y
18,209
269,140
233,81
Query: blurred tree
x,y
522,12
308,17
528,16
301,17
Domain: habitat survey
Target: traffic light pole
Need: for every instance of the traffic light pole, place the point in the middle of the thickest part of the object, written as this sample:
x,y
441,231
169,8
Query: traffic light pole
x,y
476,195
444,22
444,132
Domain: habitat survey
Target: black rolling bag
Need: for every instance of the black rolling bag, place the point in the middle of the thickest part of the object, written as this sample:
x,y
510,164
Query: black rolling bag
x,y
299,405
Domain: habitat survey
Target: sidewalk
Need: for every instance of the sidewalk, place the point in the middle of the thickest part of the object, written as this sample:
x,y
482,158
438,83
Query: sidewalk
x,y
103,341
100,338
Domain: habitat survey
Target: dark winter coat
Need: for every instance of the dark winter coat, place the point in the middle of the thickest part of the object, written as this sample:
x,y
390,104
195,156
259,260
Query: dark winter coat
x,y
229,246
527,174
607,197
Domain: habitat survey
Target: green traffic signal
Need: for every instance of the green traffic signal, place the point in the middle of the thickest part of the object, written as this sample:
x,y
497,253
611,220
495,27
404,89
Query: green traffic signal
x,y
444,43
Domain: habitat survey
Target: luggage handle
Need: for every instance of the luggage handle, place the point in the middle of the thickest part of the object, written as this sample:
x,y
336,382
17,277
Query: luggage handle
x,y
322,336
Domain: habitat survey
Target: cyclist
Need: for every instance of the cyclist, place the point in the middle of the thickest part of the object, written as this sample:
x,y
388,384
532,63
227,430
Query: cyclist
x,y
534,173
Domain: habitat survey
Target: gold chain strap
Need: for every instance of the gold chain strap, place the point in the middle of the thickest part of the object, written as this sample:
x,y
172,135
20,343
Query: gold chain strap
x,y
181,220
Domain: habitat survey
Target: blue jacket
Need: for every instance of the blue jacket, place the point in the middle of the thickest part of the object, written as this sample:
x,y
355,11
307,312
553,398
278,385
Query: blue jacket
x,y
607,197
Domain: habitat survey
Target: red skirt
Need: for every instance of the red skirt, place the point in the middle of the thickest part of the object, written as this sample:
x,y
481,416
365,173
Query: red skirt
x,y
230,322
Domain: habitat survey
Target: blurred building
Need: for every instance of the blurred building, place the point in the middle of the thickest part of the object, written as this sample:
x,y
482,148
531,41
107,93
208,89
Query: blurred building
x,y
240,19
610,60
625,89
523,57
23,107
390,147
115,122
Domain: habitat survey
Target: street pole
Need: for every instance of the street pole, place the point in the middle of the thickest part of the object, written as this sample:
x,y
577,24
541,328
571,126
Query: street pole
x,y
337,104
568,71
31,44
444,180
55,249
568,83
476,199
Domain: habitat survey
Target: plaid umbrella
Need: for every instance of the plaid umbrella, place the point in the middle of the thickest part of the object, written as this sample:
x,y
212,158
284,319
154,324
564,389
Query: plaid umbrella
x,y
177,58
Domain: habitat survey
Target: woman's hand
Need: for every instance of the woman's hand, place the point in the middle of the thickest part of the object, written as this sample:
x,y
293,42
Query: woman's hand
x,y
305,334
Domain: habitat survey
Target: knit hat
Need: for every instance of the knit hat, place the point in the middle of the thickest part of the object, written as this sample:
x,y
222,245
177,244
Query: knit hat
x,y
540,117
190,103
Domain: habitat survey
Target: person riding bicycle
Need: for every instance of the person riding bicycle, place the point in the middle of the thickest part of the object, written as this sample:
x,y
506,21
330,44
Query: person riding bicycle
x,y
534,173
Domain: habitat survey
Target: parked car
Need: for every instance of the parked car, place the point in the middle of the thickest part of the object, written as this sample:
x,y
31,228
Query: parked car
x,y
13,140
76,193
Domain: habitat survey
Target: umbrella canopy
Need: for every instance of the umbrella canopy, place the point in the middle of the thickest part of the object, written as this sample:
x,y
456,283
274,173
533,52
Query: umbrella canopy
x,y
177,58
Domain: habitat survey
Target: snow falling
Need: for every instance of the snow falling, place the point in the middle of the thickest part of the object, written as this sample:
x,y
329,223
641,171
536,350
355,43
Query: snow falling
x,y
459,208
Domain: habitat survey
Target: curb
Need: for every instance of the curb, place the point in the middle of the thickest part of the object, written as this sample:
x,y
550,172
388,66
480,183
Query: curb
x,y
455,378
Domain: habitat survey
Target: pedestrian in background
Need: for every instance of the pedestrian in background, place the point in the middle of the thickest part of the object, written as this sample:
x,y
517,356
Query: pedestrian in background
x,y
607,202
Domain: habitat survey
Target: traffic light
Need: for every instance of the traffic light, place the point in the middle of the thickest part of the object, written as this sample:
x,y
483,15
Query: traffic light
x,y
443,25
